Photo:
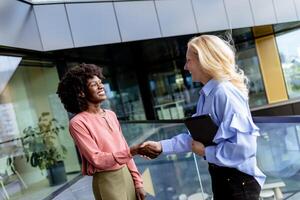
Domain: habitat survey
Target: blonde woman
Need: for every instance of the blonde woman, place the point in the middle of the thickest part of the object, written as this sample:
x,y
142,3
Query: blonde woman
x,y
232,161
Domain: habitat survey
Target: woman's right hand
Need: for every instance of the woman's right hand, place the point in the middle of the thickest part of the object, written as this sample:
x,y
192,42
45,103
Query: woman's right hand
x,y
148,149
140,193
134,149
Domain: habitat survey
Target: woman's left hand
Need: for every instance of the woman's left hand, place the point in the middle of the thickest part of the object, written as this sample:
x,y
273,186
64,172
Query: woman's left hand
x,y
198,148
140,193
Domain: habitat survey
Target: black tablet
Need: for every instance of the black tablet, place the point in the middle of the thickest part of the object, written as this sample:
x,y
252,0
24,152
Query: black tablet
x,y
202,128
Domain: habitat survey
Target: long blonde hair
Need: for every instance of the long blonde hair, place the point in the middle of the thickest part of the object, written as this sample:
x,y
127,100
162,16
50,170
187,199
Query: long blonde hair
x,y
217,59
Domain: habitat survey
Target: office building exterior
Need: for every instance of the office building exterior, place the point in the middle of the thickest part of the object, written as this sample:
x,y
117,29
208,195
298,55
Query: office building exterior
x,y
141,46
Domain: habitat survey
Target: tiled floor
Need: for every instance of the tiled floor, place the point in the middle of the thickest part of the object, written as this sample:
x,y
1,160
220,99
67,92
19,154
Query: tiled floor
x,y
36,191
81,190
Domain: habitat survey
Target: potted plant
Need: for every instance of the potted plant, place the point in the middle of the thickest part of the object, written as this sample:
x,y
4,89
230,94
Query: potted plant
x,y
42,149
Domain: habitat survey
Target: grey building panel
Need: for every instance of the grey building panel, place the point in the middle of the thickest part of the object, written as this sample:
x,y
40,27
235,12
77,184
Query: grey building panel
x,y
176,17
93,24
263,12
137,20
239,13
53,26
297,4
285,10
60,26
29,37
205,20
18,27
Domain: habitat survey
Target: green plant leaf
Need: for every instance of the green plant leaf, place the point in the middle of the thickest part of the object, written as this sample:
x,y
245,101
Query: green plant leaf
x,y
40,142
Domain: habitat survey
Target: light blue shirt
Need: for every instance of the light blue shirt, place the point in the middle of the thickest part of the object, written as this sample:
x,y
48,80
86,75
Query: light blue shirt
x,y
236,137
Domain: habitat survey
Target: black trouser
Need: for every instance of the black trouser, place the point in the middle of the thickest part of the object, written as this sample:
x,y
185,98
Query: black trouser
x,y
232,184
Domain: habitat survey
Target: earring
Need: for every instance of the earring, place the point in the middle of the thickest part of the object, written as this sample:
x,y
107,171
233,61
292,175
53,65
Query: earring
x,y
82,95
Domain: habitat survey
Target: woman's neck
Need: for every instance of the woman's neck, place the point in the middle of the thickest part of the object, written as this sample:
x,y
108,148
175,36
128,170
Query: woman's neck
x,y
94,108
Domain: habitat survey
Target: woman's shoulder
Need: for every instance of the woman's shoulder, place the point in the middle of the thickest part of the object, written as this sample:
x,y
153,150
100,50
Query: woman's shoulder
x,y
227,89
79,118
221,89
111,113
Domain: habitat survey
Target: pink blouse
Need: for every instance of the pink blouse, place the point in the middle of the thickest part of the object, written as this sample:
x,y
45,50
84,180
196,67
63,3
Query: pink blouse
x,y
101,144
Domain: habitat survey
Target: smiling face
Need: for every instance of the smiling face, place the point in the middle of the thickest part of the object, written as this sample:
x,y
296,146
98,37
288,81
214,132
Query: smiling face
x,y
95,91
194,67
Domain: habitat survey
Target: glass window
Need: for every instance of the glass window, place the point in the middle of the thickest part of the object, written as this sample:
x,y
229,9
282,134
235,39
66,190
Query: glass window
x,y
167,89
247,60
289,50
174,94
28,94
124,96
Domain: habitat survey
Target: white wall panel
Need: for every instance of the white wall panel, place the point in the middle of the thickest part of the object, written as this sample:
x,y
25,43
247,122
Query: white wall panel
x,y
53,26
176,17
206,20
285,10
263,12
137,20
18,27
239,13
93,23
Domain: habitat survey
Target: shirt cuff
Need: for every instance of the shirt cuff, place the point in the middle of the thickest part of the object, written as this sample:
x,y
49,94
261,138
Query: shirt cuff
x,y
138,185
122,157
167,146
210,154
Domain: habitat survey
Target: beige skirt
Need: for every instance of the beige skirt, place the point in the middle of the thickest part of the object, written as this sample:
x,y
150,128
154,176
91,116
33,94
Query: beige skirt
x,y
114,185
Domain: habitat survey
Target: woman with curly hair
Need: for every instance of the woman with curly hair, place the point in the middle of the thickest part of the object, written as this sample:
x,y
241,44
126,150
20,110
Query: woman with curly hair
x,y
98,136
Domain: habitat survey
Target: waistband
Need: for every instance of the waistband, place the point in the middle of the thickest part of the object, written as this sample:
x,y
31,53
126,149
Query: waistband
x,y
227,170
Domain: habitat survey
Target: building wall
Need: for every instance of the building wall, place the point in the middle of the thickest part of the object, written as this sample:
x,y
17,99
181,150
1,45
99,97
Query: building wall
x,y
85,24
18,27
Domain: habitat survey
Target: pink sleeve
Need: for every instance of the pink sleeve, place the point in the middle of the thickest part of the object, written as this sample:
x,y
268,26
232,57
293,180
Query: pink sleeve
x,y
136,176
89,149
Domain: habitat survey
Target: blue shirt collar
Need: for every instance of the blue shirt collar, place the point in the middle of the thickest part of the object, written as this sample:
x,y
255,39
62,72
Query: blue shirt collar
x,y
209,86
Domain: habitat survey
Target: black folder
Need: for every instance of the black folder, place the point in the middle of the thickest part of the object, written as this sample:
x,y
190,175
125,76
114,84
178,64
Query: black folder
x,y
202,128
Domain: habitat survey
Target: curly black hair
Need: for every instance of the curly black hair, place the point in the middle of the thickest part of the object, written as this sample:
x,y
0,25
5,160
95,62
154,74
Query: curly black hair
x,y
73,83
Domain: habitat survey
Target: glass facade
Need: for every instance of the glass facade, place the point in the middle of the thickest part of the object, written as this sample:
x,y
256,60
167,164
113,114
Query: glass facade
x,y
248,61
124,95
27,94
289,51
145,80
183,176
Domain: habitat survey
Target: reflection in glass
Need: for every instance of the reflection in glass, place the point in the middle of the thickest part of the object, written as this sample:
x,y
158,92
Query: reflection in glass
x,y
168,92
8,65
29,92
247,60
278,154
172,176
289,50
123,96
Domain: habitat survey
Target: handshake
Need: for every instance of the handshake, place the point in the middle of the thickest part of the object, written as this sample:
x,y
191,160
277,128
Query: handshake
x,y
148,149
